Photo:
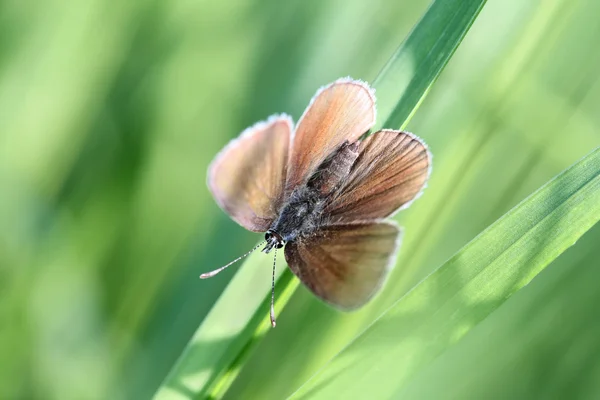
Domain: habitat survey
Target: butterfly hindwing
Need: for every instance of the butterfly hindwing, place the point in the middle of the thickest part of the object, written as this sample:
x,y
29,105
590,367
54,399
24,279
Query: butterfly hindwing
x,y
247,178
392,168
341,111
345,265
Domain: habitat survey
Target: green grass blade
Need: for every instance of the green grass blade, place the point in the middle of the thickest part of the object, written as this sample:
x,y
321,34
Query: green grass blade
x,y
405,80
208,370
466,289
227,334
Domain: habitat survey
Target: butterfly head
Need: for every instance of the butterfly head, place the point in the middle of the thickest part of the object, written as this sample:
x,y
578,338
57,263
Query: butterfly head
x,y
274,240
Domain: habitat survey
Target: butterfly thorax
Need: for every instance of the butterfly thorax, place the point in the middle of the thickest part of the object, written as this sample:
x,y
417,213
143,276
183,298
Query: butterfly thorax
x,y
302,213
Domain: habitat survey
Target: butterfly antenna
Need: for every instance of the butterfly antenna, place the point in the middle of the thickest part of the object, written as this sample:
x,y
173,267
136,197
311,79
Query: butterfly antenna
x,y
210,274
273,323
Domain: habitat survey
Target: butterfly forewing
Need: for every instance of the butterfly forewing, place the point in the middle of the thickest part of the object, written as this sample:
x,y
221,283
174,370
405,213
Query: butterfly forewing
x,y
341,111
390,171
345,265
247,178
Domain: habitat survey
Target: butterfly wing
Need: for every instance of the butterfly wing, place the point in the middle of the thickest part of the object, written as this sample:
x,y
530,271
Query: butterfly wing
x,y
392,168
247,177
345,265
342,111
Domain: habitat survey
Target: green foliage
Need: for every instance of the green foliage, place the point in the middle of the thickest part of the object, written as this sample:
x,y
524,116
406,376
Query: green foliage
x,y
416,64
112,112
439,311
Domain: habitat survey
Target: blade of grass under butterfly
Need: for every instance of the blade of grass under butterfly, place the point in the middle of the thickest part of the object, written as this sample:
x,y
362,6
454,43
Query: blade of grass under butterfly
x,y
217,347
406,78
466,289
401,86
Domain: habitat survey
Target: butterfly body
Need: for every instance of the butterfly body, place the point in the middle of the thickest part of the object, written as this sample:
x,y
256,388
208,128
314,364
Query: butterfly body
x,y
300,216
323,193
303,213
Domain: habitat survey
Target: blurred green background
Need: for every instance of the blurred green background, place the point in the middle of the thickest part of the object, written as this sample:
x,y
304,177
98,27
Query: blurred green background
x,y
110,113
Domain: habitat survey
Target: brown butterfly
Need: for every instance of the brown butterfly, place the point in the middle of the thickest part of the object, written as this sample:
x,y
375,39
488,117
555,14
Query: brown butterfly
x,y
322,193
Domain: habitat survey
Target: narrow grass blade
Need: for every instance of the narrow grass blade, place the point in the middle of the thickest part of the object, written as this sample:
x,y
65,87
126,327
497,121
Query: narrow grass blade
x,y
466,289
212,356
405,80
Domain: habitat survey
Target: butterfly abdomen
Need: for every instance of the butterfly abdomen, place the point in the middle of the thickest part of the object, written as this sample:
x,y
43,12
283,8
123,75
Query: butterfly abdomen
x,y
334,169
302,213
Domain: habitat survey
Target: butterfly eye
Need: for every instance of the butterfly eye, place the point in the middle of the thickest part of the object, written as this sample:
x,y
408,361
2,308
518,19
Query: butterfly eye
x,y
279,245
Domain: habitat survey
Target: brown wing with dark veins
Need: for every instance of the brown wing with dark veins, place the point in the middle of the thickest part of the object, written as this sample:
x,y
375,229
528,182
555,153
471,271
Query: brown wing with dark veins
x,y
342,111
247,178
345,265
391,170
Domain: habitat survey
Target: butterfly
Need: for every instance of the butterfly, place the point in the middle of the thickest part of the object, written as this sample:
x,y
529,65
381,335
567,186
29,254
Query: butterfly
x,y
323,193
